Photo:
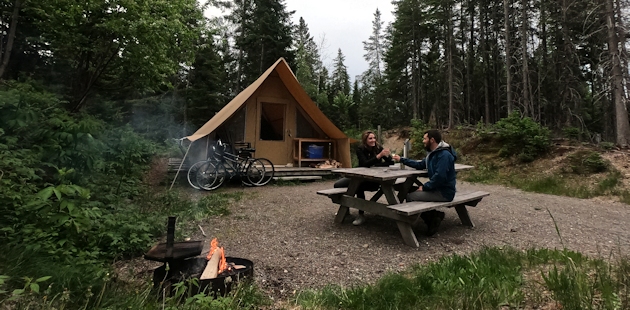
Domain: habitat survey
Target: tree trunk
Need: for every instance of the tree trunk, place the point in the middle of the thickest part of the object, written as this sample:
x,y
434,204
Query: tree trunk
x,y
471,61
486,61
449,31
621,113
508,55
624,53
570,105
414,70
261,67
543,34
497,76
11,37
529,109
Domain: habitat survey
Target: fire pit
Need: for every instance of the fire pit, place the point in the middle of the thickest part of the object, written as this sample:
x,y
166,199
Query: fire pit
x,y
193,268
216,273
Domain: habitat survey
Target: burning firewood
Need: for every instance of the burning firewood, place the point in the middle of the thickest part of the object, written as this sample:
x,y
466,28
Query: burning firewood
x,y
216,261
212,268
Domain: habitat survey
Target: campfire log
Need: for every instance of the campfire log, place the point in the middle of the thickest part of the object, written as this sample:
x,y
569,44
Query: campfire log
x,y
212,268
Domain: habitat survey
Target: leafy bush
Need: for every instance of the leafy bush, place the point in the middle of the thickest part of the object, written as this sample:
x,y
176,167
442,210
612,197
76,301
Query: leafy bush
x,y
587,162
607,146
70,185
522,137
572,133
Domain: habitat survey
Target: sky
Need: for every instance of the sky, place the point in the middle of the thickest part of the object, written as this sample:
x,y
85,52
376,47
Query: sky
x,y
344,24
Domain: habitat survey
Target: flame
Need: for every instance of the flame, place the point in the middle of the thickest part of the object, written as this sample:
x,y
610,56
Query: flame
x,y
223,266
214,245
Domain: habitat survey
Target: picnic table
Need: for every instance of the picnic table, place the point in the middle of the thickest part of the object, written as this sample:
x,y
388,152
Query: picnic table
x,y
395,184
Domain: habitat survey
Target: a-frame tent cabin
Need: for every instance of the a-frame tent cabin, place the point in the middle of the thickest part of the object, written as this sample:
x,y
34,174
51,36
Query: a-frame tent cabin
x,y
280,121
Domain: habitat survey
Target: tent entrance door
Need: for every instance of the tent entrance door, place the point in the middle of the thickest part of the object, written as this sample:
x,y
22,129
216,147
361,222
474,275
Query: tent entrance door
x,y
273,141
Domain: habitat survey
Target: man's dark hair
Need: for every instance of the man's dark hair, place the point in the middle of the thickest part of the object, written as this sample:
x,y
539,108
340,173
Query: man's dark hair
x,y
434,134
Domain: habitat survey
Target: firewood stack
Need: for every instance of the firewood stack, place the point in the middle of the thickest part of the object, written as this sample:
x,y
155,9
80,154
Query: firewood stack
x,y
329,164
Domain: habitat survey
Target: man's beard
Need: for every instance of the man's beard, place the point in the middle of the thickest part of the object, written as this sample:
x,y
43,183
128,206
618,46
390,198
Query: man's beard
x,y
427,147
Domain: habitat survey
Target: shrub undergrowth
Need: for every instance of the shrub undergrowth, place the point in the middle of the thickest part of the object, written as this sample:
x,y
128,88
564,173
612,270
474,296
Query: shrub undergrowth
x,y
72,200
522,137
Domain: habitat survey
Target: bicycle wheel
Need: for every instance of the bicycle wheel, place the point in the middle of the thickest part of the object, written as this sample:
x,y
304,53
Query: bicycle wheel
x,y
270,170
260,171
243,171
192,174
209,176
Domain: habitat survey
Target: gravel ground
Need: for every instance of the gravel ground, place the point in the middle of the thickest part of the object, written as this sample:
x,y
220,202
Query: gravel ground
x,y
290,234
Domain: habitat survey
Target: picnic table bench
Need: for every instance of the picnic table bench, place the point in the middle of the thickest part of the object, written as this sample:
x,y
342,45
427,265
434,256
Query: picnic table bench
x,y
406,214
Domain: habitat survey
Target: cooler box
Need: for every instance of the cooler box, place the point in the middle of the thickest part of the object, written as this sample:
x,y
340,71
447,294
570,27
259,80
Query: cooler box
x,y
315,151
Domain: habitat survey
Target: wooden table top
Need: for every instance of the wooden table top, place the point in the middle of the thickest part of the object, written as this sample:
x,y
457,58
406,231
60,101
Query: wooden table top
x,y
388,173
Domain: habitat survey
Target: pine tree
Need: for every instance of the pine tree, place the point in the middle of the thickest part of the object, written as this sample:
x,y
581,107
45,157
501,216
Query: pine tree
x,y
264,34
374,50
207,91
340,81
307,58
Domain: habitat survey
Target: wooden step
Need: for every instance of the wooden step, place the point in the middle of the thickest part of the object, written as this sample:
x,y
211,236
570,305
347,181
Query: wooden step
x,y
299,178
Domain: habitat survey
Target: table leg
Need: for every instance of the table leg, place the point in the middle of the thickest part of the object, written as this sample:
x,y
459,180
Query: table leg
x,y
341,214
405,228
388,190
353,187
402,194
343,211
463,215
408,235
377,195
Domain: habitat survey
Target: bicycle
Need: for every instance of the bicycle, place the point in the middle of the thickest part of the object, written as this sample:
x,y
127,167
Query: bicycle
x,y
223,165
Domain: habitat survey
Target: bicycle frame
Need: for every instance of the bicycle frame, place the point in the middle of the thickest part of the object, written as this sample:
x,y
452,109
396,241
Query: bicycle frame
x,y
223,165
233,164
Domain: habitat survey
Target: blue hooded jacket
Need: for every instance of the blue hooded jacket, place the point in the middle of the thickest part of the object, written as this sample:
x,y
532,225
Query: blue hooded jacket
x,y
440,164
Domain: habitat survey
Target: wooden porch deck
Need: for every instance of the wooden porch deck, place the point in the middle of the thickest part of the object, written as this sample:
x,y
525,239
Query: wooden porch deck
x,y
281,171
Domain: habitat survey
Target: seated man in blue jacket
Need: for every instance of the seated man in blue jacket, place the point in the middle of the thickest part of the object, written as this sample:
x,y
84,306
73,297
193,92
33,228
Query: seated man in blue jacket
x,y
440,164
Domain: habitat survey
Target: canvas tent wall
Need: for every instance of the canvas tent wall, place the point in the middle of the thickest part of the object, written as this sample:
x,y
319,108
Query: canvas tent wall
x,y
270,113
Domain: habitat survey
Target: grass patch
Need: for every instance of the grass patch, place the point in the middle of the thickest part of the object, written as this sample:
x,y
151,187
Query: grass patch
x,y
97,290
483,173
553,185
489,279
568,186
581,174
157,207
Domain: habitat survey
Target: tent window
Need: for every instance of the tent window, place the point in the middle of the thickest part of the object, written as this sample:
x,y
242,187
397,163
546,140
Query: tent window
x,y
235,126
304,127
272,121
